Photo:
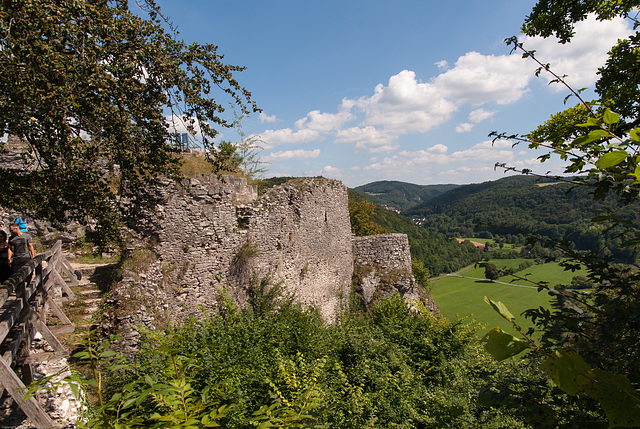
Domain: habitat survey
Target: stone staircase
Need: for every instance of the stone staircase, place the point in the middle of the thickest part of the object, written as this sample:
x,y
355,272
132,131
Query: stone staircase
x,y
60,402
83,310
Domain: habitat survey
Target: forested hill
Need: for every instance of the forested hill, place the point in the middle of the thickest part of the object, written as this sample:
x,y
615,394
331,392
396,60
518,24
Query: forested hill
x,y
521,203
401,195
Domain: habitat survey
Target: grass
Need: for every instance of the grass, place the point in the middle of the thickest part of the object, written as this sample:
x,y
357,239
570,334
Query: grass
x,y
464,297
91,258
198,164
551,273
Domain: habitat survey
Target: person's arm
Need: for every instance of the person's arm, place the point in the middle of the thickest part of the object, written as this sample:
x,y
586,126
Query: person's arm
x,y
33,252
9,254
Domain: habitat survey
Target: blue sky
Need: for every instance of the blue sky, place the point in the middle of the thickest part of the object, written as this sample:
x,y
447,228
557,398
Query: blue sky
x,y
362,91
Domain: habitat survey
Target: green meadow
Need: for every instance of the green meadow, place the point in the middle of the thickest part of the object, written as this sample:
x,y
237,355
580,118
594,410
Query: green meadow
x,y
464,296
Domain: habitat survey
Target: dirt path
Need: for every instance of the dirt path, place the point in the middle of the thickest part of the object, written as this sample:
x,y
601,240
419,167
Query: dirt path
x,y
457,274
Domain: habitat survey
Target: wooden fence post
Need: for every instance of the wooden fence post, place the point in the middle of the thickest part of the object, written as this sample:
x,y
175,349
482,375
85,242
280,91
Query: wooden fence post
x,y
24,304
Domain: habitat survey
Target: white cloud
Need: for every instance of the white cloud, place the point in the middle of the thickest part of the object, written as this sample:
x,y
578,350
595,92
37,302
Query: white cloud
x,y
267,118
273,138
464,127
475,117
439,148
484,151
580,59
477,79
406,105
329,170
324,122
369,138
480,115
326,171
500,151
289,154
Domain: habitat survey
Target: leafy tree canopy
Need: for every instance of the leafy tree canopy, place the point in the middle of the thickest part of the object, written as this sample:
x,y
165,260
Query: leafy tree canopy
x,y
86,86
590,346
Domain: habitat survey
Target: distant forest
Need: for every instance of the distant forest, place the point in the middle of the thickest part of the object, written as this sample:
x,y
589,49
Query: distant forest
x,y
514,206
400,195
439,253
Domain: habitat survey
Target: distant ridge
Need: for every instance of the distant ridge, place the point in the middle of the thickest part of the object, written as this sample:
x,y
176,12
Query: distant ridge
x,y
401,195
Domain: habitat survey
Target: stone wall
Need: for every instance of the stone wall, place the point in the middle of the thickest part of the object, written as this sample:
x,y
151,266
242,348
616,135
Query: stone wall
x,y
212,236
383,267
207,237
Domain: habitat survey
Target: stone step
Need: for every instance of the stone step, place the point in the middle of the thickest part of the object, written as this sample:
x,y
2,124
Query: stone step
x,y
88,270
89,294
85,283
90,310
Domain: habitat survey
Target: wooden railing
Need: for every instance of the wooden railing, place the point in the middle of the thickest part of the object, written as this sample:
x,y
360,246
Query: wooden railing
x,y
26,299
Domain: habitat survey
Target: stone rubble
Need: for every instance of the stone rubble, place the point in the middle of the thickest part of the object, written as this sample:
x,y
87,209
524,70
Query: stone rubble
x,y
56,397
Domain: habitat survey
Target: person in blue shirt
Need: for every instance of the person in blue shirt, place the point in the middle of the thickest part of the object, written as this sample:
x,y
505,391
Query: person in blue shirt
x,y
22,223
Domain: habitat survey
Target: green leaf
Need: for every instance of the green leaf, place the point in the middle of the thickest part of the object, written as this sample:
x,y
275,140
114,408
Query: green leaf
x,y
570,373
82,355
634,134
610,117
502,345
501,309
593,136
620,402
591,122
611,159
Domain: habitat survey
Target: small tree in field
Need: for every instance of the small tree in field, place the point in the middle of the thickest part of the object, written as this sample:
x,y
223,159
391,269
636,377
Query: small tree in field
x,y
491,272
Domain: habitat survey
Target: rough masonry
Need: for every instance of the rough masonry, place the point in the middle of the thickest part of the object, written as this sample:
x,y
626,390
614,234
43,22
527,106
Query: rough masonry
x,y
211,236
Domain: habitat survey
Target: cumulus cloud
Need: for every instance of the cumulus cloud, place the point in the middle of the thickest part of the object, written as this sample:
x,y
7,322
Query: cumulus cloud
x,y
480,115
439,154
326,171
464,127
289,154
580,59
369,138
477,79
475,117
329,170
273,138
500,151
324,122
405,104
267,118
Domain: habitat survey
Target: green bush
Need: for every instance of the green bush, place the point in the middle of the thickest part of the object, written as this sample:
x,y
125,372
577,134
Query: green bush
x,y
281,365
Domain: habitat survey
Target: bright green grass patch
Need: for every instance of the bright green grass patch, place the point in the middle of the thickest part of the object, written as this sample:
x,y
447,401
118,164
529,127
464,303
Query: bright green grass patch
x,y
551,273
462,297
478,272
